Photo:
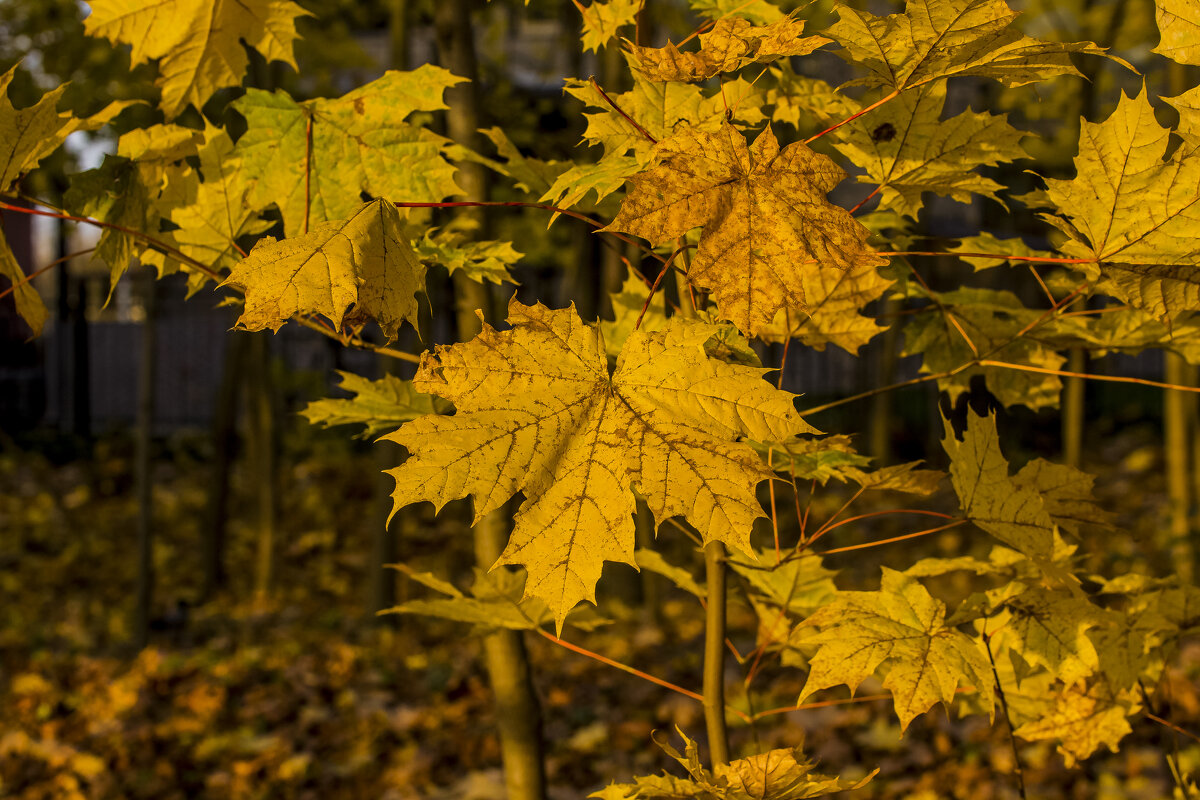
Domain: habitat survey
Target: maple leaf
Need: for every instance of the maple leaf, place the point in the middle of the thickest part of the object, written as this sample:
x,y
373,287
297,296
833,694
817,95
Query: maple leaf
x,y
627,306
766,220
834,297
378,405
364,262
1014,514
1179,24
944,38
761,12
30,134
900,632
601,178
781,774
987,242
731,43
539,413
29,303
1188,106
991,320
114,193
783,591
1134,216
357,143
198,43
1049,628
603,18
834,457
1082,719
907,149
654,561
531,175
479,260
1066,494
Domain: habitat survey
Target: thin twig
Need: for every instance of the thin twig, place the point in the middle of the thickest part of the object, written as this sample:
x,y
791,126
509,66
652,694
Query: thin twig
x,y
1012,738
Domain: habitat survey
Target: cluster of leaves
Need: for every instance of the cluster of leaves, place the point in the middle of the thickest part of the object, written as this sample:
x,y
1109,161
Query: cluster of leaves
x,y
584,418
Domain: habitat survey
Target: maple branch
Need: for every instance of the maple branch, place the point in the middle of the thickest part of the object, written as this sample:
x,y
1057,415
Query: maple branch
x,y
583,651
1090,376
865,545
44,269
863,202
866,698
854,116
882,389
828,526
1012,739
356,341
621,111
665,269
1045,289
1168,724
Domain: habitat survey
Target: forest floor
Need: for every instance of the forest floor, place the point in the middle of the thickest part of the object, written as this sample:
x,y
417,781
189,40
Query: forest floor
x,y
307,695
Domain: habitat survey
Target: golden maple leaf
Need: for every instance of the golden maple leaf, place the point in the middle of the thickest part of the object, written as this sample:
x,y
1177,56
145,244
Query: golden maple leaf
x,y
1179,25
363,262
767,223
198,42
539,413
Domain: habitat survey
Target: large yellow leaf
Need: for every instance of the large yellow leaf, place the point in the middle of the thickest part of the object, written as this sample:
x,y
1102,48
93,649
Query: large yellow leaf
x,y
1179,24
357,143
198,42
1082,719
943,38
363,262
1135,216
539,413
732,43
767,223
899,632
1048,627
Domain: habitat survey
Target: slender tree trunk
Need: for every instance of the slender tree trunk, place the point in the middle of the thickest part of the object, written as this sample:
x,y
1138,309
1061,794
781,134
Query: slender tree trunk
x,y
1177,438
714,653
881,404
224,433
517,715
143,466
261,418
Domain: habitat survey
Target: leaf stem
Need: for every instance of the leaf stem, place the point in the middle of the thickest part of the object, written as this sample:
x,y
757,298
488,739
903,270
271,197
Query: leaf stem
x,y
879,542
1012,739
894,93
1003,256
645,133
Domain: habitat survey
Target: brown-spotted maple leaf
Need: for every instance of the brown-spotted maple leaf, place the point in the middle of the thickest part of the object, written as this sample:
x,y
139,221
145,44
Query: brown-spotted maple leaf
x,y
767,224
539,413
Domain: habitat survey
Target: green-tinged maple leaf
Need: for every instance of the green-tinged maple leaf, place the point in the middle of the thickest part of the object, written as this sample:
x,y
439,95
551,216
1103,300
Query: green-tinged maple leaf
x,y
211,214
603,18
907,148
945,38
539,413
731,43
1066,494
363,263
1179,25
115,193
766,220
987,242
834,457
478,260
601,178
783,774
1132,215
28,135
1082,719
900,633
378,405
357,143
1048,627
531,175
834,299
784,591
991,320
29,303
653,560
156,148
1000,561
1013,513
198,43
496,601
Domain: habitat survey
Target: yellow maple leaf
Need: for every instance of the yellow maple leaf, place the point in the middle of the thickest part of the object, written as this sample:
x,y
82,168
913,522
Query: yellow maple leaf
x,y
198,42
732,43
943,38
1082,719
767,223
603,18
900,632
1179,25
1135,216
364,262
539,413
834,299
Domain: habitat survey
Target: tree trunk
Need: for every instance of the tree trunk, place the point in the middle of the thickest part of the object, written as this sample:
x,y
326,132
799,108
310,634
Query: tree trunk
x,y
261,438
517,714
143,466
224,434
